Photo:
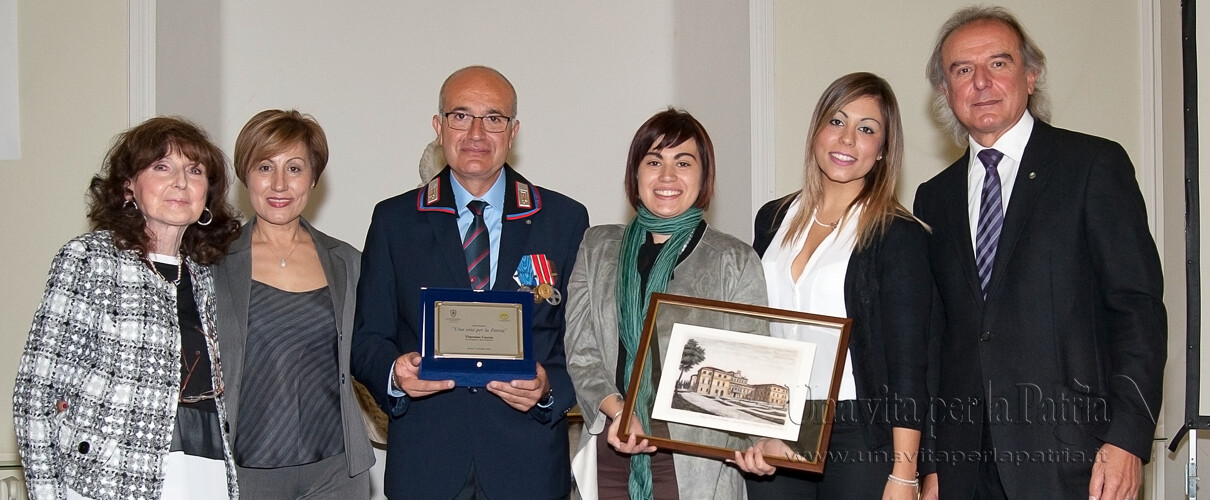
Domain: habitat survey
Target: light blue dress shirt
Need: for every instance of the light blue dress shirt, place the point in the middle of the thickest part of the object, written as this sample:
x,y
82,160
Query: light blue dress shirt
x,y
493,216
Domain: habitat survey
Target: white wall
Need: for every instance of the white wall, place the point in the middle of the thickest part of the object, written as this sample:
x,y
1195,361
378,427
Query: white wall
x,y
1103,79
1093,77
72,78
587,75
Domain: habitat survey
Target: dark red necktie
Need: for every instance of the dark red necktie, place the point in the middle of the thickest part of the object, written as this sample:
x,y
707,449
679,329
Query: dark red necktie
x,y
477,249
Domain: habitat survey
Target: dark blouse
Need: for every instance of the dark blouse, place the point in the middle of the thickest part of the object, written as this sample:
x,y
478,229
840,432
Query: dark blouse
x,y
197,431
290,399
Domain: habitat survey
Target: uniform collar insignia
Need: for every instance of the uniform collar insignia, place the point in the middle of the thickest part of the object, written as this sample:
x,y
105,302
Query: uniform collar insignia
x,y
523,199
433,191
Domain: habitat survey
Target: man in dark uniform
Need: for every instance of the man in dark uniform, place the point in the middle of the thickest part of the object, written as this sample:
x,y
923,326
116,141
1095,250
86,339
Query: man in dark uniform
x,y
472,226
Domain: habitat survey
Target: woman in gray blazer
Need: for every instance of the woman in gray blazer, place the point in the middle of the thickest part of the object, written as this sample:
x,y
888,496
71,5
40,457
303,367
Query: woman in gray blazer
x,y
667,247
285,302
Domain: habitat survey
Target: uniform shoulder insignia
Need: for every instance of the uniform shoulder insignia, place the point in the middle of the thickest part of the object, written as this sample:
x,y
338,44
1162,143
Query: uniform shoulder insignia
x,y
523,198
433,191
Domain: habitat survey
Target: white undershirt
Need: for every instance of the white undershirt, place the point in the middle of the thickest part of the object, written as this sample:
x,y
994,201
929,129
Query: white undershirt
x,y
819,290
171,260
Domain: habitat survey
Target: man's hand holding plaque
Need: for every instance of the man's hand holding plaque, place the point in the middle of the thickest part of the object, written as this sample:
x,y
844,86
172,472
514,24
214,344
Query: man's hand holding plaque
x,y
407,369
522,394
519,394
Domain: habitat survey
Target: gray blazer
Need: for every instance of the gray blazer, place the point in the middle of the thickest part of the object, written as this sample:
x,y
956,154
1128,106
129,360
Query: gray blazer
x,y
720,267
233,282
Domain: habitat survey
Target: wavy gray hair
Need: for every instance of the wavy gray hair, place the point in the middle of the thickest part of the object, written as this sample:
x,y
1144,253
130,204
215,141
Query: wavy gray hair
x,y
1031,55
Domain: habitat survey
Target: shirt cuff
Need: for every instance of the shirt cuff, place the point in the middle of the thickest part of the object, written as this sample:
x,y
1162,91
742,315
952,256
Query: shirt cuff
x,y
392,390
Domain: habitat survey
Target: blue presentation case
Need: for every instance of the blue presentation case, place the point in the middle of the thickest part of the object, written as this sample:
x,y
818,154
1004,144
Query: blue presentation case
x,y
469,371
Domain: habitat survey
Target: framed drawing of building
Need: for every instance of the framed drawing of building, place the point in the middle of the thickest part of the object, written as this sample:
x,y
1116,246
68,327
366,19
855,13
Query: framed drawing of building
x,y
716,382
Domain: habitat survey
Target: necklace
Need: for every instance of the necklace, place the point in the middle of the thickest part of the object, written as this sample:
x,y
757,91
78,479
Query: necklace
x,y
824,224
280,260
179,266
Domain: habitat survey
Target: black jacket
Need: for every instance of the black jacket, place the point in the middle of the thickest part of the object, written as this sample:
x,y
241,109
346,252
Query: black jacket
x,y
888,292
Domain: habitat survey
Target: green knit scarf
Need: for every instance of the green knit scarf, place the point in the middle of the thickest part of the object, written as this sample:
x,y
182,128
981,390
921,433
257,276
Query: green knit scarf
x,y
632,309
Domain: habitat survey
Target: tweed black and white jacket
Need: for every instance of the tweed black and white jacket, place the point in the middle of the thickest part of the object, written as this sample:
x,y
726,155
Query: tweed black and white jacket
x,y
96,393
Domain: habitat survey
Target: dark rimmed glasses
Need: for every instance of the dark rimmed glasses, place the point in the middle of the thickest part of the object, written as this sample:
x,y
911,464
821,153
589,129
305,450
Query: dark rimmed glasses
x,y
461,120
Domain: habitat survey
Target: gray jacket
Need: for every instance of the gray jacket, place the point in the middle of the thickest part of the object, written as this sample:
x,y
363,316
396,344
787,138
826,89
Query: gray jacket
x,y
233,281
720,267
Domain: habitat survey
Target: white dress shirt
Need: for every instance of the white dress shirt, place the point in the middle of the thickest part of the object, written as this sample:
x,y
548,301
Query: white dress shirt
x,y
819,289
1012,145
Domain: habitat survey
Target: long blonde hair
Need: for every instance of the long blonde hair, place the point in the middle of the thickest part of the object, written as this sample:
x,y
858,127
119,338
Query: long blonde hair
x,y
877,197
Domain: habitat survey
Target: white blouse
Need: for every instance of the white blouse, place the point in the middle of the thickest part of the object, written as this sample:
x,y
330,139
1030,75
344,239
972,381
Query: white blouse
x,y
820,288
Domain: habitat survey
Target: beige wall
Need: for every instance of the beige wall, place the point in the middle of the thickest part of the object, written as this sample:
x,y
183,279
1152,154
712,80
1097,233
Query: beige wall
x,y
1093,79
72,77
587,75
1100,82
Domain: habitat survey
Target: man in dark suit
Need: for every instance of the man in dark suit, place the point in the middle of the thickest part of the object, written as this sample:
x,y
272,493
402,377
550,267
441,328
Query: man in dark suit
x,y
1053,347
508,439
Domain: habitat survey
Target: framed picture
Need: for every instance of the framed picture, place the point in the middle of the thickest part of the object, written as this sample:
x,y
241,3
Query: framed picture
x,y
724,375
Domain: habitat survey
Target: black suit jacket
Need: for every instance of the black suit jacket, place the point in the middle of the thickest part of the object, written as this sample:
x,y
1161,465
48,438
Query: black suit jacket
x,y
1068,350
888,292
413,242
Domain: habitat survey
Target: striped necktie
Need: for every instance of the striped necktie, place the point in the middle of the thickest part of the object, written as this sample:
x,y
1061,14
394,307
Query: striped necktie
x,y
476,247
991,218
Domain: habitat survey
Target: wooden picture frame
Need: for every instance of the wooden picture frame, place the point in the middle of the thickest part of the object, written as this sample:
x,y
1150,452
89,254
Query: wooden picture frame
x,y
724,398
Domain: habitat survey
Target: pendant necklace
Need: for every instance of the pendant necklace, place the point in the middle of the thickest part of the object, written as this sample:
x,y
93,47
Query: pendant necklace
x,y
824,224
280,260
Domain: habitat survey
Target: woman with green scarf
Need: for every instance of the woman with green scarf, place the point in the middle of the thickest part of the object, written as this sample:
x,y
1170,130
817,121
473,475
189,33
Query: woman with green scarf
x,y
667,247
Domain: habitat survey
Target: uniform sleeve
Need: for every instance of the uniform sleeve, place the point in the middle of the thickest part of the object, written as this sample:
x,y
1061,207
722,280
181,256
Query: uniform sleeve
x,y
376,318
556,364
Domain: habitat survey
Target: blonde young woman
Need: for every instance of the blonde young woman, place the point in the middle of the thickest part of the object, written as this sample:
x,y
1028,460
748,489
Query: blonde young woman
x,y
844,246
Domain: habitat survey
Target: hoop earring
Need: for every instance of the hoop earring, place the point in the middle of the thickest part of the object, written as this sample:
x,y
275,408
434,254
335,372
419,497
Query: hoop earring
x,y
129,203
206,211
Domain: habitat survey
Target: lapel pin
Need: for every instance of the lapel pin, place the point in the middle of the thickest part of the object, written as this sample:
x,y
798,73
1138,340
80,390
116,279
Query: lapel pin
x,y
1033,175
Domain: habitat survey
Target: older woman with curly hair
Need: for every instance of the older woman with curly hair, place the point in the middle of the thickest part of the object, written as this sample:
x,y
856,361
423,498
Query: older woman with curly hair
x,y
119,392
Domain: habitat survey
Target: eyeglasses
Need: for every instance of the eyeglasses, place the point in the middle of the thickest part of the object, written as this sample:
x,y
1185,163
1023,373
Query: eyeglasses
x,y
217,369
459,120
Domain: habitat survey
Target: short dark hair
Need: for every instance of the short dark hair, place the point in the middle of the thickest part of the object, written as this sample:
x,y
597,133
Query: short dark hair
x,y
137,149
671,127
272,132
